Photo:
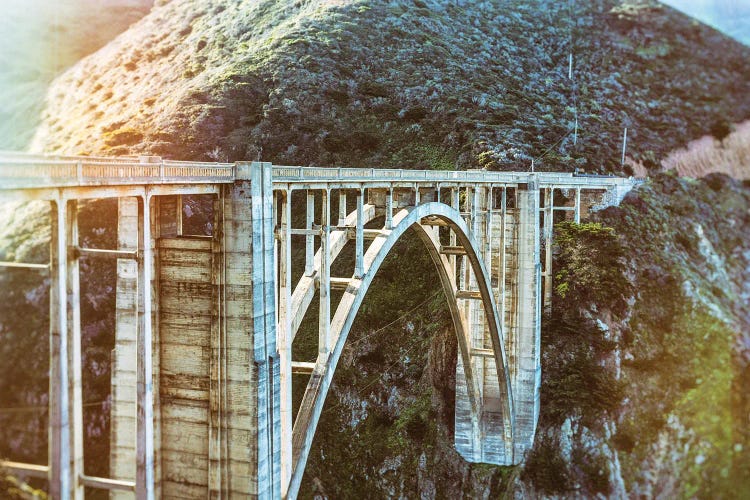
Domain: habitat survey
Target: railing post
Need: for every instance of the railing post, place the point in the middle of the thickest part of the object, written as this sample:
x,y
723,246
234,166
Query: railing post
x,y
577,207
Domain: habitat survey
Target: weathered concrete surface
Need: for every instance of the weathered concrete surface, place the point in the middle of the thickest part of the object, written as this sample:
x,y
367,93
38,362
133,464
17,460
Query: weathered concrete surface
x,y
123,368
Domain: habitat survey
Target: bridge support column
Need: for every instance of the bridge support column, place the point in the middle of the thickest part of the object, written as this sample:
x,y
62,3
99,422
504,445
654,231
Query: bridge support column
x,y
144,477
285,334
123,358
549,222
265,352
65,417
527,343
491,441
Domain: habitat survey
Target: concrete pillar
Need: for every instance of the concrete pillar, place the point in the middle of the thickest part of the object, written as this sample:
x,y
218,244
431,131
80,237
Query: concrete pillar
x,y
285,335
264,330
144,477
309,239
549,204
359,237
456,205
528,371
123,359
61,484
75,410
342,208
389,209
218,462
324,316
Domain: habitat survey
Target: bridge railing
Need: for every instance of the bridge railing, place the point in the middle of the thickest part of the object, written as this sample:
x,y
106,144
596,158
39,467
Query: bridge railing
x,y
25,171
292,174
35,171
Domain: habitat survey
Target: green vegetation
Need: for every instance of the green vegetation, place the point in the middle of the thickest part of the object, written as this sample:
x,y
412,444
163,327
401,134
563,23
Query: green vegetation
x,y
642,351
589,263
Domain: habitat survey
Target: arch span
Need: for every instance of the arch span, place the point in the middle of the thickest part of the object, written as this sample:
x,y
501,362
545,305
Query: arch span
x,y
322,376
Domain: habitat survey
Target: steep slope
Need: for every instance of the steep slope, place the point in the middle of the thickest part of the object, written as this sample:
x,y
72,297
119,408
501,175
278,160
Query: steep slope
x,y
41,39
647,357
729,155
409,83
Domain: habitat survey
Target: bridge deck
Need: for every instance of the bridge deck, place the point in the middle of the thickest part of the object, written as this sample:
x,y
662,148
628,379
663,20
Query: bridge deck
x,y
19,171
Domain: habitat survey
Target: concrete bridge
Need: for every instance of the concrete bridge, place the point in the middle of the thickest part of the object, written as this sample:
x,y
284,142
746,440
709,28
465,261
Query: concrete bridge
x,y
202,369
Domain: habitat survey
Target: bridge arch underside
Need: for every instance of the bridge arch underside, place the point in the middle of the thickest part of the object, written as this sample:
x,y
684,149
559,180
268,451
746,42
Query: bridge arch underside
x,y
477,423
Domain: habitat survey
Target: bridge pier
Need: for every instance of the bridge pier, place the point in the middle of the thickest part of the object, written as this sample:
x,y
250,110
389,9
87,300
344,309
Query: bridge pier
x,y
216,392
527,376
511,244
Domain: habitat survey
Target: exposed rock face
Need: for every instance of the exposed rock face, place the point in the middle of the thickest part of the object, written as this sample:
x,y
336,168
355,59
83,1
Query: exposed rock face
x,y
401,83
644,369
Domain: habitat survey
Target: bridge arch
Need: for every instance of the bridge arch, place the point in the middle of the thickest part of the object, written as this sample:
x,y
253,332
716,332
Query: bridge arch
x,y
346,312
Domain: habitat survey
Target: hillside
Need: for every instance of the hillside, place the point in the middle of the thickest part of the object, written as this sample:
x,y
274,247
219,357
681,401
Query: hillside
x,y
647,351
439,84
402,83
41,39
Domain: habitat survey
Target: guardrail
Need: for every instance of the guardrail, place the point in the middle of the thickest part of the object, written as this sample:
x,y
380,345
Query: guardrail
x,y
19,171
289,174
27,171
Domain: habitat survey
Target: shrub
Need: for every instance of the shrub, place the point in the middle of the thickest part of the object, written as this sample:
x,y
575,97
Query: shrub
x,y
546,469
590,260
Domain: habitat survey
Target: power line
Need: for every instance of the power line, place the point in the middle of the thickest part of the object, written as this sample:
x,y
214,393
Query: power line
x,y
380,375
375,332
397,319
